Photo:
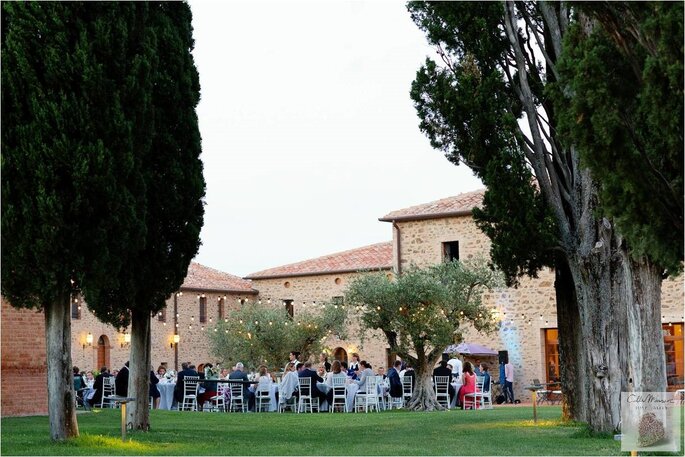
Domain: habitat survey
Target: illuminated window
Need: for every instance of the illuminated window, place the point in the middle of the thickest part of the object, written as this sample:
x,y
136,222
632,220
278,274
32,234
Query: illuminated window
x,y
673,347
552,354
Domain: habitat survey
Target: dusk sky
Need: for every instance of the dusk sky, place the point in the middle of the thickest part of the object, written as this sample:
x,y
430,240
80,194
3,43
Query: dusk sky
x,y
308,131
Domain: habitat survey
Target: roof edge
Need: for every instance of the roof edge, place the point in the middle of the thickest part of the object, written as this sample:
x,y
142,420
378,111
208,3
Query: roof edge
x,y
421,217
235,291
317,273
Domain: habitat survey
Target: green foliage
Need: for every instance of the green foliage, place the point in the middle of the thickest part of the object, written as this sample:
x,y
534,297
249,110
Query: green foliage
x,y
469,111
263,334
70,171
168,148
422,311
620,101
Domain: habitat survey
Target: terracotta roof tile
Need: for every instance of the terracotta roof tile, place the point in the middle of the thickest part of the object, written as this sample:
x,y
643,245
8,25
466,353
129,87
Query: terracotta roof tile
x,y
373,257
200,277
459,205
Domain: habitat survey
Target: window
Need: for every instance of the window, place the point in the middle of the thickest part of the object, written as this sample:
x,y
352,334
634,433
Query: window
x,y
75,309
220,311
161,315
203,309
673,347
290,309
450,251
552,354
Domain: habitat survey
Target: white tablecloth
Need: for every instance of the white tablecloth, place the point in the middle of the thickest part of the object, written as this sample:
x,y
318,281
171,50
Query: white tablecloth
x,y
457,386
166,394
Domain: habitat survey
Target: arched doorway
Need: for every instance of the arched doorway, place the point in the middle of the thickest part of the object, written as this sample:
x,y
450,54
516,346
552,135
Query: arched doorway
x,y
103,352
340,354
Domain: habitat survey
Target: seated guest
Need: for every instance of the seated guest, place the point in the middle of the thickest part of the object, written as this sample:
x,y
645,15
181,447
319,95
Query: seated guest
x,y
224,373
161,372
395,380
485,370
288,385
121,381
307,372
336,372
90,379
442,370
364,375
469,380
350,373
79,384
185,371
98,385
381,372
154,392
409,371
263,380
240,374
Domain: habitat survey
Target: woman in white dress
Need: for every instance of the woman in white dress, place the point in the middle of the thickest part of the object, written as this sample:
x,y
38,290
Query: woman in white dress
x,y
288,384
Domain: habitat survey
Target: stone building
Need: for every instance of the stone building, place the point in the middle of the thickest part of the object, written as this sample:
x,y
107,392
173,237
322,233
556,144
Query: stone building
x,y
205,296
421,235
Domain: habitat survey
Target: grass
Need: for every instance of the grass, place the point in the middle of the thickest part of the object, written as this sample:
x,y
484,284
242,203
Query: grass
x,y
504,431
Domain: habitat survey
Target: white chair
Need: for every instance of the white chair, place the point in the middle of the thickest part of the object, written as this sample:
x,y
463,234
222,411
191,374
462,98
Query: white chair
x,y
442,385
407,388
237,398
262,398
369,398
190,387
339,394
219,400
306,399
108,389
474,400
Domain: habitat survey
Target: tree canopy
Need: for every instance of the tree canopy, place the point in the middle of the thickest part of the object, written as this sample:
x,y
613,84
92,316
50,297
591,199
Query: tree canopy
x,y
423,311
620,101
263,334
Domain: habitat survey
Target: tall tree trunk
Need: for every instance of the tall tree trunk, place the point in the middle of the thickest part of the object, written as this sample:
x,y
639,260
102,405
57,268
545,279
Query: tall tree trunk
x,y
139,381
619,306
423,398
571,348
61,396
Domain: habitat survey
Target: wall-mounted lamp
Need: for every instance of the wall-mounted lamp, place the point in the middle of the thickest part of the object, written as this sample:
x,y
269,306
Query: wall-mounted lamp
x,y
176,339
126,342
89,340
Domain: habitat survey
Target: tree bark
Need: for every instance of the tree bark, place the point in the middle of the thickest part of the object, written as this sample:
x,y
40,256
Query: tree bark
x,y
139,381
61,396
571,362
423,398
619,304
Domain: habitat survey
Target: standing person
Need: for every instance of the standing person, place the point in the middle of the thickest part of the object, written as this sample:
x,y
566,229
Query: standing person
x,y
121,381
292,356
456,366
484,368
509,382
323,358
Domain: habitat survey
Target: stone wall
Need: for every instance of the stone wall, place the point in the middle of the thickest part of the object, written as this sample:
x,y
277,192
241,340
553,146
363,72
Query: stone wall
x,y
304,290
194,346
24,359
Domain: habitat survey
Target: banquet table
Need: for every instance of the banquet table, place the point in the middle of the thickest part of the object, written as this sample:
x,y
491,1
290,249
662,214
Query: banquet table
x,y
457,386
166,394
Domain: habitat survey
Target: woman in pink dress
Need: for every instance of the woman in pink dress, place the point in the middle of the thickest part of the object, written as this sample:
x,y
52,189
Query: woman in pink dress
x,y
469,380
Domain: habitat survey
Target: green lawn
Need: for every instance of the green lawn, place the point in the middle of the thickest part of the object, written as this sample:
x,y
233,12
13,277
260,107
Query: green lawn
x,y
504,431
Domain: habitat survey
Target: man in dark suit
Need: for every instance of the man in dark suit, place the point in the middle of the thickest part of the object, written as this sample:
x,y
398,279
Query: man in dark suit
x,y
121,381
239,374
442,370
186,370
98,385
307,372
